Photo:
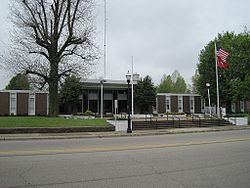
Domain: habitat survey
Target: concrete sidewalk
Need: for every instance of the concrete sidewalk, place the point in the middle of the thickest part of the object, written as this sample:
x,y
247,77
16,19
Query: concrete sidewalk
x,y
37,136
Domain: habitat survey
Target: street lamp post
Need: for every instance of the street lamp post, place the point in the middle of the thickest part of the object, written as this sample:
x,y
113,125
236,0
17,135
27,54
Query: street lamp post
x,y
102,81
128,77
209,101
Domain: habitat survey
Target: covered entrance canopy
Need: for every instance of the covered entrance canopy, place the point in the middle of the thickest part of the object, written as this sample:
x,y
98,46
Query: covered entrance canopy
x,y
112,90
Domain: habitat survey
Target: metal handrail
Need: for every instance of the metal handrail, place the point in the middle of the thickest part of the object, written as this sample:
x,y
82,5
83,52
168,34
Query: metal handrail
x,y
152,121
178,118
199,119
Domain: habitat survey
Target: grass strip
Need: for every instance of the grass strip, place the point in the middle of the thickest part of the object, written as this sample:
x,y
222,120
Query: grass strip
x,y
33,122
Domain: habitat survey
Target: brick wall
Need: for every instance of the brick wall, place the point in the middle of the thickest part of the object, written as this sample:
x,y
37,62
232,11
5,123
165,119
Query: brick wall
x,y
186,104
22,104
161,104
4,104
41,104
174,104
197,104
247,106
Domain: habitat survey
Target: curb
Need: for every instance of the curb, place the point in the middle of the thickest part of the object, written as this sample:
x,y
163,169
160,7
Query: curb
x,y
55,130
51,136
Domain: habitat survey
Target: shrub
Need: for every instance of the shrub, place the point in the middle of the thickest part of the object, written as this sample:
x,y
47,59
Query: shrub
x,y
174,113
88,113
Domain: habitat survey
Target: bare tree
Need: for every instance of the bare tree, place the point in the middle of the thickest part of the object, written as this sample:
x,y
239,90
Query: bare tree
x,y
52,39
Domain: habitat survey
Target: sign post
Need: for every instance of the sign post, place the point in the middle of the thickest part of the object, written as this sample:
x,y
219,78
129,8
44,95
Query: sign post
x,y
116,107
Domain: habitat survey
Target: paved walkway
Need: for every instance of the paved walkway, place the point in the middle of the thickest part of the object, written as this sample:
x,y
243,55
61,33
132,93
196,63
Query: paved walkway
x,y
117,133
120,125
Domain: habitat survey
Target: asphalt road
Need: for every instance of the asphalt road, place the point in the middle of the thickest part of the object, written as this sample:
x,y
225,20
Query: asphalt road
x,y
217,159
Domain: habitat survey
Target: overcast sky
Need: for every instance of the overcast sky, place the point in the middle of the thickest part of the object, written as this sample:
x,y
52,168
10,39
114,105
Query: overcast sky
x,y
161,35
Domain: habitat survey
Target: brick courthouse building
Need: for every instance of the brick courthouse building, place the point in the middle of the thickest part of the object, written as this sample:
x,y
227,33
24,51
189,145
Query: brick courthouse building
x,y
117,90
23,103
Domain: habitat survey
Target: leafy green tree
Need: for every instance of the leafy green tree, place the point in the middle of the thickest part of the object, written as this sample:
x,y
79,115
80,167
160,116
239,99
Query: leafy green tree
x,y
195,78
70,92
233,82
145,94
166,85
180,86
172,84
19,82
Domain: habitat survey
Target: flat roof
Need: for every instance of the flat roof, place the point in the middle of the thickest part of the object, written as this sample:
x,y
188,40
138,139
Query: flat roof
x,y
107,84
177,94
22,91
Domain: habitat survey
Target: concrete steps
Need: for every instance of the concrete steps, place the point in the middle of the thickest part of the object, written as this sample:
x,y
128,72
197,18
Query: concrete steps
x,y
164,124
143,125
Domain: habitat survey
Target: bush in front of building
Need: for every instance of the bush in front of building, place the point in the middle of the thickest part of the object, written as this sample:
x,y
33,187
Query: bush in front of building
x,y
86,113
174,113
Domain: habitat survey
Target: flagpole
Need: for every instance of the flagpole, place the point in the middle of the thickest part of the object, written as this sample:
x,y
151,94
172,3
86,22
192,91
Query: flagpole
x,y
217,80
105,41
132,83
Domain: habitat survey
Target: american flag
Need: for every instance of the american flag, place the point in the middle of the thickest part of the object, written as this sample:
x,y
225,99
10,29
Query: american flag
x,y
222,58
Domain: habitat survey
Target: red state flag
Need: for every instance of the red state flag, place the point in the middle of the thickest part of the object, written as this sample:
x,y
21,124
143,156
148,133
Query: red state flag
x,y
222,58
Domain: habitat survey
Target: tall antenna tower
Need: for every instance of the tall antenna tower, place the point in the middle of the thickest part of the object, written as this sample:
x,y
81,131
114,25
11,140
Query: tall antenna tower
x,y
105,41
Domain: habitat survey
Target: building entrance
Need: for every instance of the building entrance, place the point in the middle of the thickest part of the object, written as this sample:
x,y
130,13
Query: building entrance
x,y
108,106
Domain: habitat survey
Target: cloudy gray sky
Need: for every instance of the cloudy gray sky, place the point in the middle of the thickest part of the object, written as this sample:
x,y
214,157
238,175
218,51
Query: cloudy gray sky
x,y
161,35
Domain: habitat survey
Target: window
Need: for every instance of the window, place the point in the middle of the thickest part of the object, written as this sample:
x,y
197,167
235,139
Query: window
x,y
93,95
192,104
242,106
108,95
93,91
13,104
233,107
202,105
180,105
32,104
124,92
168,104
108,91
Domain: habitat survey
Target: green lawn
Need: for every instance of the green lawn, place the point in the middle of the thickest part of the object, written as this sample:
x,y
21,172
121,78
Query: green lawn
x,y
6,122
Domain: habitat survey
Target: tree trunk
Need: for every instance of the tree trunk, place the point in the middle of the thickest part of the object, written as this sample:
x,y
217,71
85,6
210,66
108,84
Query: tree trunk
x,y
53,90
